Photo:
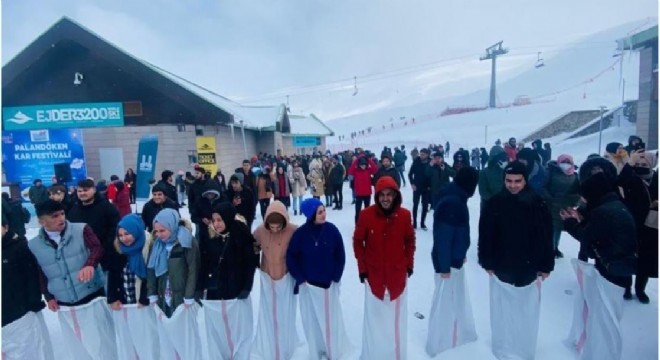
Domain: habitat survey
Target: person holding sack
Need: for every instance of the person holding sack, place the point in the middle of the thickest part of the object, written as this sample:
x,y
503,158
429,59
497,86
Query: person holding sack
x,y
316,260
228,267
384,246
172,272
607,229
127,291
516,249
451,323
276,336
69,256
25,334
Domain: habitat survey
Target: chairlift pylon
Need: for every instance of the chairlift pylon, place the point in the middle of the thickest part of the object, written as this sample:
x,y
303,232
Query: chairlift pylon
x,y
539,61
355,88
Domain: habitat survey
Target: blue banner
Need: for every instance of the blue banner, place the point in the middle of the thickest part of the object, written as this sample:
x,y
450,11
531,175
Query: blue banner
x,y
58,116
30,155
146,166
306,141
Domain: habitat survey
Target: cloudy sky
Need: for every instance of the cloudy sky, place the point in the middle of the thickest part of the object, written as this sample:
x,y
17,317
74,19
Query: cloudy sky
x,y
259,51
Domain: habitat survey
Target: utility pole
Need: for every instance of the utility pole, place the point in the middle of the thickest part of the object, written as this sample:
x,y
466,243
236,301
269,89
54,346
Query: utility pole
x,y
492,53
600,134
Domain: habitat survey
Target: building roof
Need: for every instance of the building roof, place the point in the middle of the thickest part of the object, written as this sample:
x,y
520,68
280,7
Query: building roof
x,y
268,118
309,125
66,37
644,38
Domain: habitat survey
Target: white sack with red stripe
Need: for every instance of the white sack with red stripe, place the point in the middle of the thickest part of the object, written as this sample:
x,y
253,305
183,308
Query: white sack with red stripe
x,y
88,331
228,328
514,319
451,322
276,337
323,321
27,338
596,328
179,335
137,333
385,328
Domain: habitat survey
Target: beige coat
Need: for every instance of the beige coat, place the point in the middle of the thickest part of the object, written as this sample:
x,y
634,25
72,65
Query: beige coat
x,y
274,245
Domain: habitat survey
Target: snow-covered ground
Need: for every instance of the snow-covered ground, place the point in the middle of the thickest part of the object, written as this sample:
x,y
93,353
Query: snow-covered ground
x,y
640,328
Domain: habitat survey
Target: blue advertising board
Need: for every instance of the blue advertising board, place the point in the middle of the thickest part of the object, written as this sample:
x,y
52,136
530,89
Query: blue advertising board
x,y
306,141
146,166
59,116
30,155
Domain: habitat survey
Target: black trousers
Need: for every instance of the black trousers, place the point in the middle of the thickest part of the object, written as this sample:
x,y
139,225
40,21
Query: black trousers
x,y
359,200
425,196
263,204
339,195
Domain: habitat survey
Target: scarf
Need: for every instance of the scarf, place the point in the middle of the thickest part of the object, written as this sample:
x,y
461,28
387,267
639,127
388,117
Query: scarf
x,y
170,219
134,225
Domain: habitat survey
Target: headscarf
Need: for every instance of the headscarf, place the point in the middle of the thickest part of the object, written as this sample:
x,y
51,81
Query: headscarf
x,y
170,219
566,159
134,225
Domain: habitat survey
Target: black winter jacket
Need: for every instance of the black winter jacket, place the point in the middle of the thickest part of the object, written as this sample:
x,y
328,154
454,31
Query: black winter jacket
x,y
515,236
417,174
103,218
390,171
229,264
20,279
151,209
170,191
607,232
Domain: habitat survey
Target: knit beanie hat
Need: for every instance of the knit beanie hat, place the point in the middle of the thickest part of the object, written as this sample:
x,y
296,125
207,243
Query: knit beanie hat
x,y
516,168
467,179
309,206
612,147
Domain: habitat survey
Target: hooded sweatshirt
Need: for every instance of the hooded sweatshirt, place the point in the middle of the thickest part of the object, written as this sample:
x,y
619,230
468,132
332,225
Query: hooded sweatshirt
x,y
274,245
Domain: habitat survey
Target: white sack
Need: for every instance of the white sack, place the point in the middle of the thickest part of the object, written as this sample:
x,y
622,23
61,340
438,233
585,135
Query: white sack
x,y
27,338
385,328
596,329
88,331
228,328
276,336
450,322
323,321
137,333
514,319
179,335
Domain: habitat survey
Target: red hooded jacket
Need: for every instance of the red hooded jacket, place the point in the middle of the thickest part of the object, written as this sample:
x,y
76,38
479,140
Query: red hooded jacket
x,y
384,244
362,178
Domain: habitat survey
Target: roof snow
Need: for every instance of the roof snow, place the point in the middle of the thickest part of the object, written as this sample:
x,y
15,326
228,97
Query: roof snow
x,y
309,125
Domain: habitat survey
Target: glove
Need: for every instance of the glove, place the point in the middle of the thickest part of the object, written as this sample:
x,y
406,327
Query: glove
x,y
243,295
410,272
363,276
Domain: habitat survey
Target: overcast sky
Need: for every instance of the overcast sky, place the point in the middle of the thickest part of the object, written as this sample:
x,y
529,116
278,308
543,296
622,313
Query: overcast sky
x,y
249,50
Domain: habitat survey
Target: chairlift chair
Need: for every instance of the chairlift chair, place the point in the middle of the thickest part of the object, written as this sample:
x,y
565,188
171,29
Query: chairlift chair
x,y
539,61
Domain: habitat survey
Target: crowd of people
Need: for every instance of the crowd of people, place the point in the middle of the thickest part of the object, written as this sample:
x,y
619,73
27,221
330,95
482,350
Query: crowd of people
x,y
91,245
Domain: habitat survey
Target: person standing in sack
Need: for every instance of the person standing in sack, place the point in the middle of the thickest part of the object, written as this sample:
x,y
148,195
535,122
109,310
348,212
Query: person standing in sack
x,y
242,198
384,246
451,240
607,229
173,263
276,328
21,299
227,271
515,246
129,285
69,256
316,260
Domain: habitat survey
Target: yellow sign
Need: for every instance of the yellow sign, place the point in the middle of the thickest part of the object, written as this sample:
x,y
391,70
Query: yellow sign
x,y
206,153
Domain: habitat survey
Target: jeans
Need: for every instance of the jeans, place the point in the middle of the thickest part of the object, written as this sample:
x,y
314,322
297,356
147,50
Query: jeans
x,y
424,195
297,200
359,200
328,200
401,169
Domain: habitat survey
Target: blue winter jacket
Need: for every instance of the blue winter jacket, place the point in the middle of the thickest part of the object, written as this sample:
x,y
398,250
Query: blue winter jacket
x,y
316,255
451,229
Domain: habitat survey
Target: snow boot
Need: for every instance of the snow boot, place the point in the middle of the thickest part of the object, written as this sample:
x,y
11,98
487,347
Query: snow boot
x,y
628,294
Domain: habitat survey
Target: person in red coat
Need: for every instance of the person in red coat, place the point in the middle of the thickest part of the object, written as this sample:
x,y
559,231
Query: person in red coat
x,y
362,170
122,199
384,246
